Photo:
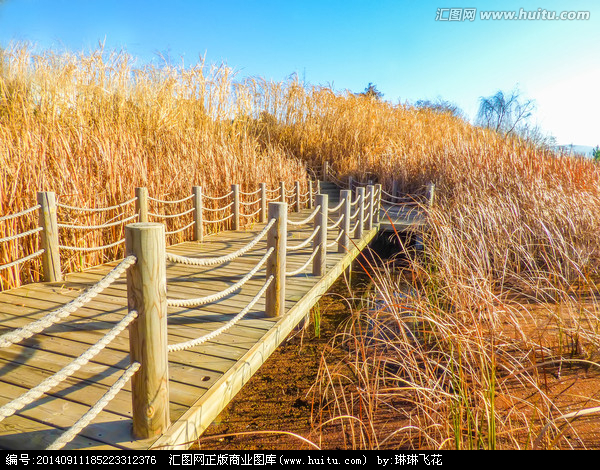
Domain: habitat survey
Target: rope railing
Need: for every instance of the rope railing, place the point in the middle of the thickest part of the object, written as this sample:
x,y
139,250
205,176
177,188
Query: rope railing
x,y
210,336
21,260
197,301
173,232
21,235
49,383
171,216
217,209
306,242
336,208
305,265
221,259
217,198
307,220
96,209
19,214
336,241
98,227
177,201
87,418
251,193
336,224
37,326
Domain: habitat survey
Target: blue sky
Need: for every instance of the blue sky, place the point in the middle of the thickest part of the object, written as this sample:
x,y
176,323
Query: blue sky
x,y
396,44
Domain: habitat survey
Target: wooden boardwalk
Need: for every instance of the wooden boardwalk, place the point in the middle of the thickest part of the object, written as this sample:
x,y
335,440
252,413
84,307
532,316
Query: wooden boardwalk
x,y
202,380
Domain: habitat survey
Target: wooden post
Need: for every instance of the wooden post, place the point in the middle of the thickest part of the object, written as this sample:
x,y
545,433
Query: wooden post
x,y
431,194
361,211
282,197
346,210
325,170
198,220
350,183
236,206
263,203
141,204
276,264
371,201
394,190
310,194
297,191
378,189
147,294
49,236
320,241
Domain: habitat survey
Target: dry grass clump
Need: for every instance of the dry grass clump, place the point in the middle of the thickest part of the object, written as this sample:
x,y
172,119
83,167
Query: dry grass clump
x,y
93,127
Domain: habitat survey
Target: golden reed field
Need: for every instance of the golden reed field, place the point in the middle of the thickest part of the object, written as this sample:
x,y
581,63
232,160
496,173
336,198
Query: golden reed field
x,y
495,345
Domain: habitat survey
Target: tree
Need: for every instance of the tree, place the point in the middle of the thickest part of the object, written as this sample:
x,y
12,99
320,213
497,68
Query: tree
x,y
371,92
505,113
441,106
596,153
509,114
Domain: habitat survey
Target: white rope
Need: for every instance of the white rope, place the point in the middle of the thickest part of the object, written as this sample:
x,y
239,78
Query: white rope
x,y
336,208
339,221
218,220
334,242
172,202
171,216
307,220
219,208
94,227
49,383
305,265
203,339
196,302
249,203
352,204
216,198
250,194
353,216
18,214
99,209
21,235
256,212
63,312
393,203
305,242
272,190
221,259
91,248
21,260
87,418
180,229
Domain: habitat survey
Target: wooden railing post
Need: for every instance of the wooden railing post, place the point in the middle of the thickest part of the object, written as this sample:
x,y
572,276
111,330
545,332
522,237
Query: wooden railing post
x,y
276,264
361,211
297,194
378,191
235,188
325,170
371,201
198,215
282,197
320,241
346,212
394,190
350,183
49,236
310,194
431,194
147,295
141,204
263,202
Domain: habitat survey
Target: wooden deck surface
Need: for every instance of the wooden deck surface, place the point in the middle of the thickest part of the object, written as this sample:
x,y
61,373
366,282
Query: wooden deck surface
x,y
202,380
